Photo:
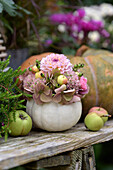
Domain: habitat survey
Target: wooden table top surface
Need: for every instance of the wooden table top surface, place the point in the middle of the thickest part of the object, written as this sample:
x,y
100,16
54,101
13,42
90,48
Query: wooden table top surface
x,y
41,144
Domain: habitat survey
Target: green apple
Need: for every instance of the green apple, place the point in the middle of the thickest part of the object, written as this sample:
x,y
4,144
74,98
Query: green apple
x,y
61,79
93,121
22,124
101,112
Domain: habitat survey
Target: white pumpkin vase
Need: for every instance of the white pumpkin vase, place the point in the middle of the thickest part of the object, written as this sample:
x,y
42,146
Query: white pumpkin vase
x,y
53,116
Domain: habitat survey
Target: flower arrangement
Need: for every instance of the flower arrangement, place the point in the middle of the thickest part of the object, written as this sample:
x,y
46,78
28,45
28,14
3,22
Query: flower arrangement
x,y
55,79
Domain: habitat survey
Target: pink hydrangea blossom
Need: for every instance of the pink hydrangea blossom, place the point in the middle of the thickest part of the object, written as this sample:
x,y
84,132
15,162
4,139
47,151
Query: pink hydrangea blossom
x,y
55,61
29,83
42,93
73,81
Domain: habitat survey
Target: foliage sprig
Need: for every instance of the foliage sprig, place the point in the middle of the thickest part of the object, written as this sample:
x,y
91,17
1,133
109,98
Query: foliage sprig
x,y
10,95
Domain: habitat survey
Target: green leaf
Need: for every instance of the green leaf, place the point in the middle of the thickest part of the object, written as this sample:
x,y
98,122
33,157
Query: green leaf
x,y
1,8
18,14
6,136
6,24
8,6
24,10
68,51
56,72
14,96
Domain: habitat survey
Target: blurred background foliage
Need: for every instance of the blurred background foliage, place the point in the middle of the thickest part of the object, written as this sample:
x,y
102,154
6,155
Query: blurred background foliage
x,y
27,24
31,25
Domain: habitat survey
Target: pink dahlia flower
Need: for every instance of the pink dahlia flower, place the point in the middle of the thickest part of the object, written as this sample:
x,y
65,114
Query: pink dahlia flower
x,y
55,61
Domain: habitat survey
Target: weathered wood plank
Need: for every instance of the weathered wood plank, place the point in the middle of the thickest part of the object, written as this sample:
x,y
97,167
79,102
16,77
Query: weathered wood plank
x,y
66,161
40,144
57,160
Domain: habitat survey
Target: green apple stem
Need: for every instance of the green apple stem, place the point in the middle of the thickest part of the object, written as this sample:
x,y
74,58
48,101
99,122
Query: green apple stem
x,y
21,116
99,109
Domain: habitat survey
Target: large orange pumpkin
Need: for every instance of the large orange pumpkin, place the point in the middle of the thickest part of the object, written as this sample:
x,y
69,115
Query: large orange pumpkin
x,y
99,71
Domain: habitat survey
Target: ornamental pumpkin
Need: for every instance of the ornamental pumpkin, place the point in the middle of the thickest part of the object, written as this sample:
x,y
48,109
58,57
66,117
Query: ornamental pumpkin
x,y
53,116
99,71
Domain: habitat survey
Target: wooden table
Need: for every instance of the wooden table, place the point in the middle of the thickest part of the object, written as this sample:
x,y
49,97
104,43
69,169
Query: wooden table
x,y
71,149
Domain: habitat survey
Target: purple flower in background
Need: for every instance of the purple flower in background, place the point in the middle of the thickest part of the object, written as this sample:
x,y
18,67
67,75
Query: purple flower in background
x,y
96,25
48,43
59,18
105,33
91,25
77,22
77,26
74,28
2,124
81,13
70,19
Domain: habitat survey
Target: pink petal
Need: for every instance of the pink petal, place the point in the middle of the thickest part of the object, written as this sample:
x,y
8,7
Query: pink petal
x,y
75,99
37,100
60,89
70,92
47,90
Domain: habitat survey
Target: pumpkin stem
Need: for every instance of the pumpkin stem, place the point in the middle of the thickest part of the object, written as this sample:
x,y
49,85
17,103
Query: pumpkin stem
x,y
106,115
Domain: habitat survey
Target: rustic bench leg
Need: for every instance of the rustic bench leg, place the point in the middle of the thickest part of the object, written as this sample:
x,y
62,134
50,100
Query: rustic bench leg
x,y
82,159
75,162
88,159
67,161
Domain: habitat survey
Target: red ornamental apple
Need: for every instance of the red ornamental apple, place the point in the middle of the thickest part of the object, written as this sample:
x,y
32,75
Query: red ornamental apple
x,y
39,74
101,112
35,69
61,79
